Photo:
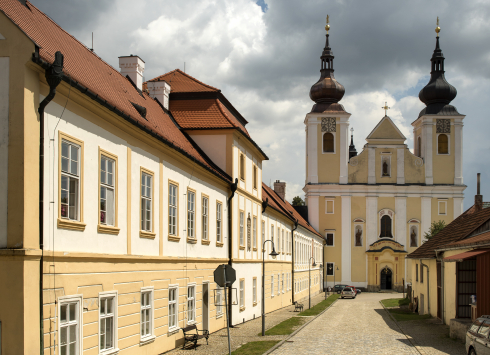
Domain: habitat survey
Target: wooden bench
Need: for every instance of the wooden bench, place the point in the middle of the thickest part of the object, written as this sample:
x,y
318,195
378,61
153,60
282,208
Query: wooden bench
x,y
190,337
298,306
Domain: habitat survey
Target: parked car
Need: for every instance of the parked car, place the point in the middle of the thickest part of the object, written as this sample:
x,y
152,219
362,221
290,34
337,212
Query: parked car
x,y
338,288
355,289
348,292
478,337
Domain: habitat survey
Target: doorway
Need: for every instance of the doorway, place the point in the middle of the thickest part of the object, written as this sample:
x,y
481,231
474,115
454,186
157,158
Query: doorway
x,y
205,306
386,278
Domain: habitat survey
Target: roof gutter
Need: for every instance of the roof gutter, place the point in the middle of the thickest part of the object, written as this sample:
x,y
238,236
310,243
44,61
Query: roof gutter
x,y
470,245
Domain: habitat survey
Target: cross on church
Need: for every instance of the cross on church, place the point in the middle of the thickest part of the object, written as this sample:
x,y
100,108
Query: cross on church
x,y
386,108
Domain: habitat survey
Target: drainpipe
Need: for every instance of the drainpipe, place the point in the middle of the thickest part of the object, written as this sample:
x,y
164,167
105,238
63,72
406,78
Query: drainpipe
x,y
428,298
233,188
292,257
53,74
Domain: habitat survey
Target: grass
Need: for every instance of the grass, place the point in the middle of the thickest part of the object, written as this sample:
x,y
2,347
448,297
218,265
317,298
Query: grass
x,y
286,327
320,307
400,315
395,302
255,347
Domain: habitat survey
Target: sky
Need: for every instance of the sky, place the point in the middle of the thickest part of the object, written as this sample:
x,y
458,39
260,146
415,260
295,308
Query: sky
x,y
265,55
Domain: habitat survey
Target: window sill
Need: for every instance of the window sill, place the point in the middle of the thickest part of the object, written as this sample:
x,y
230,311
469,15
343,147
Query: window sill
x,y
219,316
242,247
147,235
242,309
109,352
255,249
173,330
71,225
107,229
205,242
191,240
219,245
254,304
147,340
173,238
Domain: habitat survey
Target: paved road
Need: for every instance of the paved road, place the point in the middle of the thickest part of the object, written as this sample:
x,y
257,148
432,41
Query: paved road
x,y
356,326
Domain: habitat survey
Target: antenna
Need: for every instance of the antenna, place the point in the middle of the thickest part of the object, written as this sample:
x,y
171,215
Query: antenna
x,y
184,67
92,42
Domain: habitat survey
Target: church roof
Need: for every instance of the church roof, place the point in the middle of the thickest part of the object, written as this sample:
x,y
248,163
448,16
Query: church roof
x,y
386,129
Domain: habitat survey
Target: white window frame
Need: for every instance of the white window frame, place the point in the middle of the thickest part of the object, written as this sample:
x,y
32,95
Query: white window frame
x,y
78,301
333,239
254,290
219,226
333,268
242,294
334,143
69,175
388,156
448,144
191,214
278,284
254,229
144,339
175,303
104,296
144,220
439,207
327,200
191,304
219,301
205,217
106,186
173,205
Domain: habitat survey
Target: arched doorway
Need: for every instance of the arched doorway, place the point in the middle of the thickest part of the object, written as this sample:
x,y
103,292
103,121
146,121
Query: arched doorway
x,y
386,278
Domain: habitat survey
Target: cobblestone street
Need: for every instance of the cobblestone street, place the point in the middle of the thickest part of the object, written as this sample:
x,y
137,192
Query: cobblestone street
x,y
362,326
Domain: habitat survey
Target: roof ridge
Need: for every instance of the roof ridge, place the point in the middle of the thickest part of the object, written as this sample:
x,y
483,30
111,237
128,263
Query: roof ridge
x,y
188,76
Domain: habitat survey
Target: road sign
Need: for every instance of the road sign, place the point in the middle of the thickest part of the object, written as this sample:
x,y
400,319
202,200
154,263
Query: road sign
x,y
225,278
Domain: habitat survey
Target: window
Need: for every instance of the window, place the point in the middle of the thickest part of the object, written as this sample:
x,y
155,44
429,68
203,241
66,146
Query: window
x,y
329,206
419,147
146,201
70,327
272,285
191,198
330,240
241,228
172,209
278,239
146,313
219,300
417,272
107,321
242,166
254,228
330,269
328,143
358,236
255,178
173,306
242,294
107,214
218,222
70,180
272,234
386,227
191,304
282,247
282,283
254,290
442,207
421,273
385,166
413,236
442,144
278,284
205,218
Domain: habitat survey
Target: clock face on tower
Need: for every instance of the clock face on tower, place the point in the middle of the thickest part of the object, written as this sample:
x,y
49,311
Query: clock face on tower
x,y
329,124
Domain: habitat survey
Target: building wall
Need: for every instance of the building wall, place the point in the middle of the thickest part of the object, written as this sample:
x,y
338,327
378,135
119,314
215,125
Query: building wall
x,y
4,142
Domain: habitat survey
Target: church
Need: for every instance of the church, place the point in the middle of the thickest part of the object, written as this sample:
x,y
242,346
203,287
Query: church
x,y
373,208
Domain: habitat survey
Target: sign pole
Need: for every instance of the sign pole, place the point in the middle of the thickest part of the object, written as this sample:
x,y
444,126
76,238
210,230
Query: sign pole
x,y
226,308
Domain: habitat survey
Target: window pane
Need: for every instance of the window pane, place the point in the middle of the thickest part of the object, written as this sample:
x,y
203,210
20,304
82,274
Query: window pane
x,y
110,166
63,313
73,311
65,149
63,336
109,180
73,333
110,207
74,167
103,303
73,349
143,214
64,164
63,350
73,199
108,331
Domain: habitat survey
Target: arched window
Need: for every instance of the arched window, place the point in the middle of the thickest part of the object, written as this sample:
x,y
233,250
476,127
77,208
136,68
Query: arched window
x,y
419,147
386,227
328,143
442,144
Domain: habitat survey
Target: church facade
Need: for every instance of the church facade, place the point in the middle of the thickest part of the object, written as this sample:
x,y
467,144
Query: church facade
x,y
375,207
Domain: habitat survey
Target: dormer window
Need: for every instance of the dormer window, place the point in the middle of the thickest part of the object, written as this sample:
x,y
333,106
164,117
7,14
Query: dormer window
x,y
328,143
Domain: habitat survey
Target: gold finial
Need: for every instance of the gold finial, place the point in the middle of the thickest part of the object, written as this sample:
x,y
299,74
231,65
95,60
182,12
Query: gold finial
x,y
438,29
327,27
386,108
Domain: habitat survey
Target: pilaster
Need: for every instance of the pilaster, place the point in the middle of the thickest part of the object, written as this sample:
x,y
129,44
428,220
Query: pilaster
x,y
458,207
314,212
400,166
426,216
346,239
344,150
371,220
401,220
458,152
312,144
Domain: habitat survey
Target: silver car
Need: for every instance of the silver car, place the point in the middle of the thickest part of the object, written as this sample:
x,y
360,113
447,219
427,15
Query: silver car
x,y
478,337
348,292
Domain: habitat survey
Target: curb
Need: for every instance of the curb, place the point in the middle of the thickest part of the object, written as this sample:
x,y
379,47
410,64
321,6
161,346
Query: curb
x,y
409,338
298,330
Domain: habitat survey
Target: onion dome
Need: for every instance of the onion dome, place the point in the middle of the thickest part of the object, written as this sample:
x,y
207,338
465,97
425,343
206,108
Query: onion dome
x,y
438,93
327,91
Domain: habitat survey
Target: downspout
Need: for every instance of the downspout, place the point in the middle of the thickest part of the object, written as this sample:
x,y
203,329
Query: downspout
x,y
428,298
292,257
233,188
53,75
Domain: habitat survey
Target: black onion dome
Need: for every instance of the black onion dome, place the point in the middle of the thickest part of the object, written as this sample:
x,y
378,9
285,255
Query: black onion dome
x,y
438,93
327,91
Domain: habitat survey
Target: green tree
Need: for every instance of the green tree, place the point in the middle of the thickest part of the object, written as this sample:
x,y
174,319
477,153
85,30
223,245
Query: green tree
x,y
298,201
435,228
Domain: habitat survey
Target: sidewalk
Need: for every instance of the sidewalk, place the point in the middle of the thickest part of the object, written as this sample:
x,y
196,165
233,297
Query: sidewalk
x,y
245,332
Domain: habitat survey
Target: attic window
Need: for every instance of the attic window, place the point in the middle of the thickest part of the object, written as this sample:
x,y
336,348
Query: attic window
x,y
141,110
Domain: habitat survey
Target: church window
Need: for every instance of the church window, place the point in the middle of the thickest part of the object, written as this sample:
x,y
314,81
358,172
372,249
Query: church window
x,y
419,147
417,272
242,167
386,227
328,143
442,207
329,206
255,177
442,144
385,166
329,239
358,236
413,236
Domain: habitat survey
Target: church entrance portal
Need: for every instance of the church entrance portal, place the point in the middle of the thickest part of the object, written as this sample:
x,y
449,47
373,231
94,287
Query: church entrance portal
x,y
386,278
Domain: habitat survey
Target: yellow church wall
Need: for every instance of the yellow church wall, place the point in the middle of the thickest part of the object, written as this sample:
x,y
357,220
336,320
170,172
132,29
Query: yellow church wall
x,y
385,131
393,171
448,217
414,169
413,212
328,163
358,174
386,203
443,165
358,254
332,222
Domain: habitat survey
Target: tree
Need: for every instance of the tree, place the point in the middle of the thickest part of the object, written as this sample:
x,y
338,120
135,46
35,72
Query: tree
x,y
298,201
435,228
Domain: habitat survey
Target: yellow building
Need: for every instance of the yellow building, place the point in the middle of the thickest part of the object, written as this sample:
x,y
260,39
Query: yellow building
x,y
373,208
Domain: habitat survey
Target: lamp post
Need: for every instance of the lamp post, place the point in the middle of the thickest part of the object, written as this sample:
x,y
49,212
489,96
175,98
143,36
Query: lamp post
x,y
330,268
273,254
309,280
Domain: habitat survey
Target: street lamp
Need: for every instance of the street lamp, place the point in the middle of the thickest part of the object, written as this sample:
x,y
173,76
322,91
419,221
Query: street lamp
x,y
309,281
330,268
273,254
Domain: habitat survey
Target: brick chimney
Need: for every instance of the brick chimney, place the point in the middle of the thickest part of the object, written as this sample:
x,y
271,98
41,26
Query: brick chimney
x,y
280,189
159,90
134,67
478,197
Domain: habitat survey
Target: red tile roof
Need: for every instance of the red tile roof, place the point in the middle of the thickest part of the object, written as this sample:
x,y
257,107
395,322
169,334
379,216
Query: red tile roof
x,y
284,207
482,238
466,255
182,82
84,67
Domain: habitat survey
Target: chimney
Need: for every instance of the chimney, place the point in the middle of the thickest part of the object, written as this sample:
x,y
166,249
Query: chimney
x,y
133,66
478,197
159,90
280,189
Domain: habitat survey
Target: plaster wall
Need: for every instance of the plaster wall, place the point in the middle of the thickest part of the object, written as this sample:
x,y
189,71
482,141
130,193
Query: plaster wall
x,y
358,253
443,164
4,142
358,168
328,164
214,146
392,154
414,169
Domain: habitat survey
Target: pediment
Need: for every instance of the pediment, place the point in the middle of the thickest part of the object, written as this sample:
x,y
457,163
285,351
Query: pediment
x,y
386,130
